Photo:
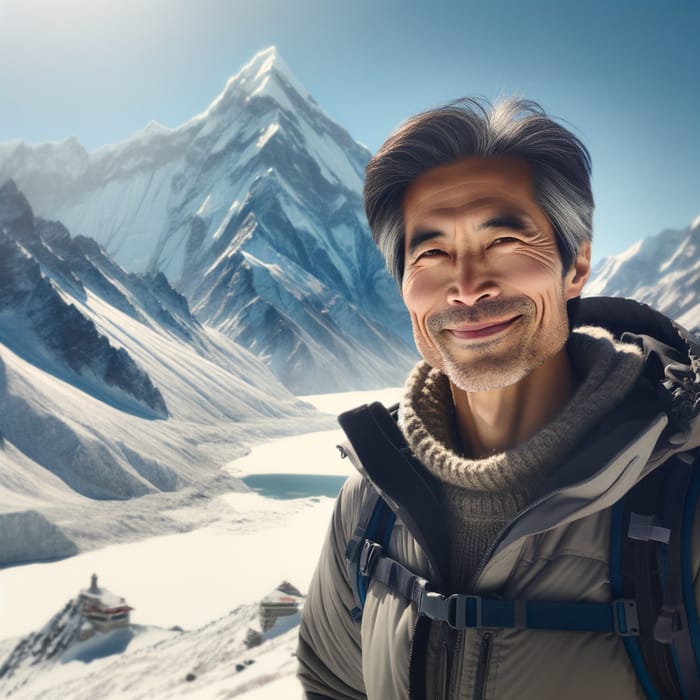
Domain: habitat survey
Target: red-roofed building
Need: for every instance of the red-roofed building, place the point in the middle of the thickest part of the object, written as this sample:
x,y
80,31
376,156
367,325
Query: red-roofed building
x,y
102,610
284,600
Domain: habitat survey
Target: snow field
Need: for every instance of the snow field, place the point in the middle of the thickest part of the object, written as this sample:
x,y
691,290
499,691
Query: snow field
x,y
207,581
185,579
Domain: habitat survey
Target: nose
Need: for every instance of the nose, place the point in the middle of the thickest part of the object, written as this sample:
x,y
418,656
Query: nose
x,y
472,282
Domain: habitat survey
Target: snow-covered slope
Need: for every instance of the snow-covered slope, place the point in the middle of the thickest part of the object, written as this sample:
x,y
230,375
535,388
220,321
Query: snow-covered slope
x,y
662,271
254,209
117,407
189,581
148,662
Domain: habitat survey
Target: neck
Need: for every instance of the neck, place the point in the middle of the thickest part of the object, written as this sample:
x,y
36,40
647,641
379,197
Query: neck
x,y
494,421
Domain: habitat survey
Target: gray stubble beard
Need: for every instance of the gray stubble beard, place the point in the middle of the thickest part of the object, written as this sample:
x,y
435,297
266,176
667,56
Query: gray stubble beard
x,y
487,371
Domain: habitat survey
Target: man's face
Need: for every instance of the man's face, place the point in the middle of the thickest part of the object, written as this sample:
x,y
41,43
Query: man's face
x,y
483,280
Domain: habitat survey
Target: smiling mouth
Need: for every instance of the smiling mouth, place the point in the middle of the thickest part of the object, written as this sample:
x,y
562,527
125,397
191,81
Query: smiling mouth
x,y
480,331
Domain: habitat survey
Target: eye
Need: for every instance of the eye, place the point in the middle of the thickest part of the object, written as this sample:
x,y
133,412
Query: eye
x,y
430,253
503,240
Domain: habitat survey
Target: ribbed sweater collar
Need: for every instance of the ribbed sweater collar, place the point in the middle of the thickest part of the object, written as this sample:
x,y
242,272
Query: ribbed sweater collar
x,y
606,370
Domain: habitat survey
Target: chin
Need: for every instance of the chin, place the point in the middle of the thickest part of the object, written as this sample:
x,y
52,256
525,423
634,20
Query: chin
x,y
487,373
483,380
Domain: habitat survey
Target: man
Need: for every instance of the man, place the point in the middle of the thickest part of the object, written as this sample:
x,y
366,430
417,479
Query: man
x,y
530,415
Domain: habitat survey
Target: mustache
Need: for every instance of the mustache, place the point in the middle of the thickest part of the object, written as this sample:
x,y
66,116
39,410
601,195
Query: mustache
x,y
482,312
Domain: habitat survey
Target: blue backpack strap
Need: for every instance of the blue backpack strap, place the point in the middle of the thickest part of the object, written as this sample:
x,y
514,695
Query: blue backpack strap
x,y
692,619
374,526
390,468
622,581
463,611
649,561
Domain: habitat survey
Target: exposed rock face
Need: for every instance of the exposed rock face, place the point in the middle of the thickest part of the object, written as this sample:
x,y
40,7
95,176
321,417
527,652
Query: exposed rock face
x,y
254,210
65,334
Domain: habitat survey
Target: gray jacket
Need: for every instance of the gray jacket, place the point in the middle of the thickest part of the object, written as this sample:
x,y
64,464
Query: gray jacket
x,y
555,549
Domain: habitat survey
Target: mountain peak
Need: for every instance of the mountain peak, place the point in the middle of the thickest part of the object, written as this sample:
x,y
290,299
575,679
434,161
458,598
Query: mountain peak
x,y
265,66
265,74
262,62
660,271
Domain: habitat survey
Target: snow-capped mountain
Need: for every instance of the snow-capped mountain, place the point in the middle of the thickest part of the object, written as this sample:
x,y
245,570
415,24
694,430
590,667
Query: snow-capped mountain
x,y
254,209
117,407
41,316
662,271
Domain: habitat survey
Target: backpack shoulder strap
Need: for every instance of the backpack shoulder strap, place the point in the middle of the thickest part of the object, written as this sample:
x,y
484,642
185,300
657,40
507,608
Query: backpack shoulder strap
x,y
374,526
408,489
650,561
375,520
689,654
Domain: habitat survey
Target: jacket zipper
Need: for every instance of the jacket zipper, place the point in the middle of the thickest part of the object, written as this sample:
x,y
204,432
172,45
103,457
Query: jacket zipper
x,y
448,667
442,675
456,665
501,535
449,652
504,530
482,669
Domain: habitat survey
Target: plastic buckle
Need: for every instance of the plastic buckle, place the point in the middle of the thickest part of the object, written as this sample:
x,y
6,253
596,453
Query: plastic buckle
x,y
667,624
625,618
433,605
454,610
368,557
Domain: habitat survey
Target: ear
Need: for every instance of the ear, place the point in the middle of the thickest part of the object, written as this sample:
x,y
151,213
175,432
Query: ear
x,y
579,273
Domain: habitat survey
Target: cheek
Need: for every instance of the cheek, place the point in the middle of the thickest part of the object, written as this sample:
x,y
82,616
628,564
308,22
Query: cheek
x,y
540,279
551,304
535,268
417,309
418,292
537,275
418,296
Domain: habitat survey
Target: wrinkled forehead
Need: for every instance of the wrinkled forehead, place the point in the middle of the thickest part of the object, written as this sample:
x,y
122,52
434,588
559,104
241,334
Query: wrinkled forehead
x,y
467,183
449,185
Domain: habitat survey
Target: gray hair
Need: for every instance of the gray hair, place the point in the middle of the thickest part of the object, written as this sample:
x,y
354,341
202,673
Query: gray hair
x,y
559,162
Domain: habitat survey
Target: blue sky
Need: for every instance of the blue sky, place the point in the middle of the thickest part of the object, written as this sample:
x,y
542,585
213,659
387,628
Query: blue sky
x,y
625,75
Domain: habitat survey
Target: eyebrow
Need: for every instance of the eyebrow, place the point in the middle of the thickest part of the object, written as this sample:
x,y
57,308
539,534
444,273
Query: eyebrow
x,y
505,221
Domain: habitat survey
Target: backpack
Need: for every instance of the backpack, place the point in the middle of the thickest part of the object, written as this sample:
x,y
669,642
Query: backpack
x,y
651,573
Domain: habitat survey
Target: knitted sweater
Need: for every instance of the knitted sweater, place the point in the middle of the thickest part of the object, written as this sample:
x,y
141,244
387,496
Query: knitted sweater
x,y
480,496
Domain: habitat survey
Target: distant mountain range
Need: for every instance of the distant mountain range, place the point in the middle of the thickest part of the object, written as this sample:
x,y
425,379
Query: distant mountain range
x,y
253,209
112,392
123,395
662,271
